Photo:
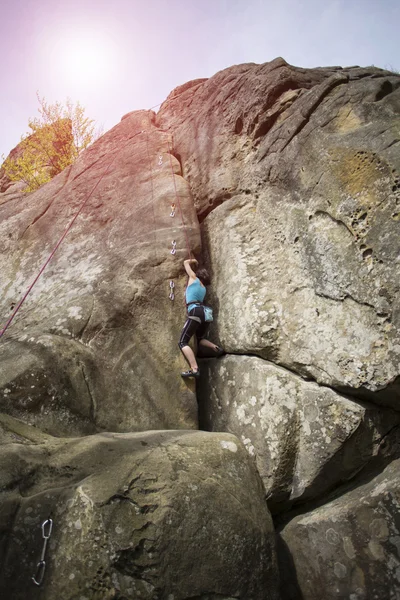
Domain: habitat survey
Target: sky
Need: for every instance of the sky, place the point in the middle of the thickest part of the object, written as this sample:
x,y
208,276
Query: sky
x,y
123,55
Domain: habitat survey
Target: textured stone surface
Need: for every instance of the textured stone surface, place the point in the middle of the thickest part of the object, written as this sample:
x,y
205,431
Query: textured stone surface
x,y
349,548
294,174
305,439
91,348
305,247
133,518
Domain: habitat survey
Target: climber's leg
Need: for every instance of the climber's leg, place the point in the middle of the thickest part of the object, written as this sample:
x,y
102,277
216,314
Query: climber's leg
x,y
190,357
208,344
189,329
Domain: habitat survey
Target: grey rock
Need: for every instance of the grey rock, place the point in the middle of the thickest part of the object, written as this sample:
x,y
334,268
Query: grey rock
x,y
349,548
298,171
294,176
150,515
305,439
91,348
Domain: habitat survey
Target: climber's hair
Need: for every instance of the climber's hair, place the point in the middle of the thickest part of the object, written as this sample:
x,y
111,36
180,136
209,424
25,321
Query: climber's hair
x,y
204,276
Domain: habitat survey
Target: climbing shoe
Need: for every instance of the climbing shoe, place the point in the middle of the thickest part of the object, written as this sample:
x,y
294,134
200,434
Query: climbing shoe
x,y
219,351
190,373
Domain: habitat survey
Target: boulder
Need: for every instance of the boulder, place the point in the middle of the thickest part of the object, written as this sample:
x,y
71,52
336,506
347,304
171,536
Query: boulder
x,y
295,174
349,548
154,515
94,346
305,439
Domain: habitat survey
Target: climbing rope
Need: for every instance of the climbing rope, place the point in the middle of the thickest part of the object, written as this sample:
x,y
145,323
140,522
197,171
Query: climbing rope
x,y
70,225
68,228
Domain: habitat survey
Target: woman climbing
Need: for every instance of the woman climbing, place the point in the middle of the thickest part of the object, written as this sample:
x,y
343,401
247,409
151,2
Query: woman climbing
x,y
198,316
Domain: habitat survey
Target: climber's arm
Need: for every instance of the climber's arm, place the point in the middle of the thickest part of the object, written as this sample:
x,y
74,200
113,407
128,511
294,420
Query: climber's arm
x,y
189,270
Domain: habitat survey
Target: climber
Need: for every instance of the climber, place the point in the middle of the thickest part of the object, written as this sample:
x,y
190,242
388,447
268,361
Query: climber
x,y
198,316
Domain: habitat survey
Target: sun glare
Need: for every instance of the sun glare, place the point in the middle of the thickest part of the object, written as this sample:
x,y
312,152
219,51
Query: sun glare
x,y
84,58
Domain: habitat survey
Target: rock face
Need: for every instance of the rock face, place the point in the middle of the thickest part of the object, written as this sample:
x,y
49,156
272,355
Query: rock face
x,y
300,224
304,248
306,439
285,181
92,347
137,506
349,548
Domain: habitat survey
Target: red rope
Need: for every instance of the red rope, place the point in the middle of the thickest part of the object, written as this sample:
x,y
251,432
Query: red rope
x,y
70,225
20,303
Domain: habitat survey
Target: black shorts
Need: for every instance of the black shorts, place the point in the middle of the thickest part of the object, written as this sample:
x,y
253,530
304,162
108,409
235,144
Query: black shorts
x,y
192,326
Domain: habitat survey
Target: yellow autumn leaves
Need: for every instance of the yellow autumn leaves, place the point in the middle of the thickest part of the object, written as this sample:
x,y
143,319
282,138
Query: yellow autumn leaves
x,y
53,142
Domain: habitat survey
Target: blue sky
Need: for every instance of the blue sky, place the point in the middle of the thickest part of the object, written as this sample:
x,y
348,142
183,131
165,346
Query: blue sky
x,y
119,56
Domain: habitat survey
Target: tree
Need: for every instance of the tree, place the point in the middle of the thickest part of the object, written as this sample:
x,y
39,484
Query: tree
x,y
54,141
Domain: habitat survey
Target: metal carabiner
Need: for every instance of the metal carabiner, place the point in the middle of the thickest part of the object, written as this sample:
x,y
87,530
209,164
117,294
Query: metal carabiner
x,y
171,286
173,251
41,565
160,159
39,575
172,213
48,522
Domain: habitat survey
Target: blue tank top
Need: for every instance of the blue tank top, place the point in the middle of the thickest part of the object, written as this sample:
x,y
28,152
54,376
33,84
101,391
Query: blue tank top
x,y
195,292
